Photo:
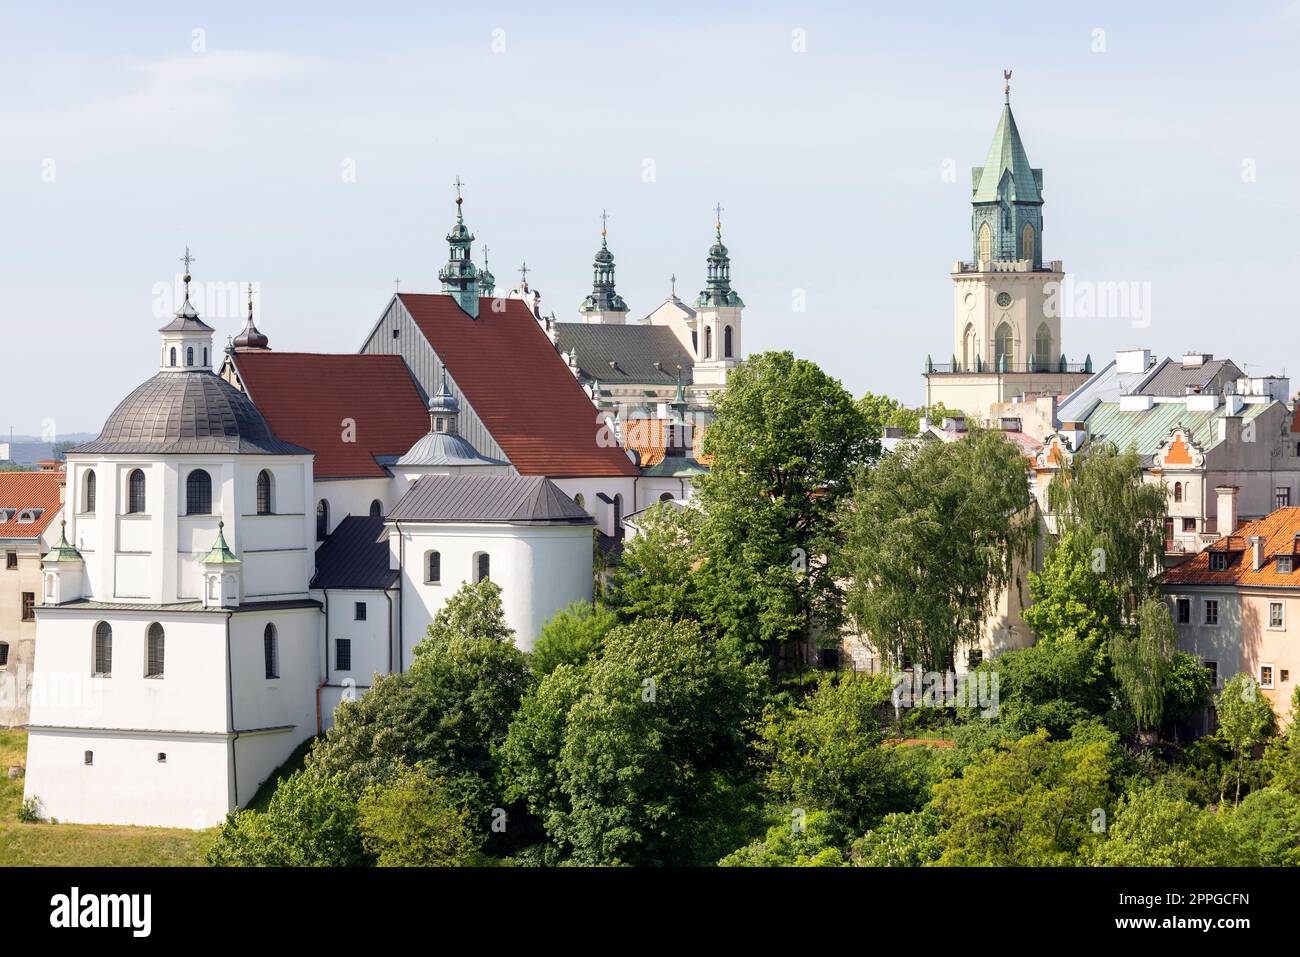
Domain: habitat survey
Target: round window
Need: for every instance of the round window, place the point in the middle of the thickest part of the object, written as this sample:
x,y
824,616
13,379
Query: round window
x,y
1004,299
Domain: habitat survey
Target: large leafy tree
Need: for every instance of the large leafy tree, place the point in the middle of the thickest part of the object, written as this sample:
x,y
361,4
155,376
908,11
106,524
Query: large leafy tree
x,y
656,576
412,822
784,444
1113,517
311,821
1154,827
1141,662
882,412
571,636
932,536
639,757
1246,719
1030,803
1072,600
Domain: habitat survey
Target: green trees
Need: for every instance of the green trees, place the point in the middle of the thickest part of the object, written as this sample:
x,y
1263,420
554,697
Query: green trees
x,y
1246,719
413,822
1156,828
571,636
785,443
931,539
1141,663
638,757
310,822
882,412
656,577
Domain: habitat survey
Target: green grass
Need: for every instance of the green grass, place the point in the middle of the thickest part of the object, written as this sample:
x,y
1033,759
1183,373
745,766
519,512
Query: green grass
x,y
84,845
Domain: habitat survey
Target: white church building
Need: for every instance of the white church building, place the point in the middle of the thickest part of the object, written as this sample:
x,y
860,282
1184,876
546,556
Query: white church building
x,y
249,543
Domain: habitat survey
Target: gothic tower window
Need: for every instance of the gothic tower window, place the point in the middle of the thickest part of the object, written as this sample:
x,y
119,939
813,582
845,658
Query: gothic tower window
x,y
986,243
1043,348
173,356
726,343
1004,355
1027,242
969,348
189,356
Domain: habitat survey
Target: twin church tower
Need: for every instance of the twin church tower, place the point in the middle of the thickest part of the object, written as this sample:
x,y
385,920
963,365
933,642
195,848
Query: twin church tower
x,y
1006,321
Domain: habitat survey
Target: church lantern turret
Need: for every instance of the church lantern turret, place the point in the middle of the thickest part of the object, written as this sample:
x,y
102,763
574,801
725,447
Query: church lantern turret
x,y
221,573
718,306
604,305
459,276
186,341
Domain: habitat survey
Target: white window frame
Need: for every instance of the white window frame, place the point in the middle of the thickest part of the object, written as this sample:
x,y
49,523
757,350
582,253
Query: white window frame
x,y
1272,671
1205,612
1281,607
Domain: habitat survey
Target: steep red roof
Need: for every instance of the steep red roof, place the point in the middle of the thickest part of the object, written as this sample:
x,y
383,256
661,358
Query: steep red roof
x,y
20,491
306,396
519,386
1279,530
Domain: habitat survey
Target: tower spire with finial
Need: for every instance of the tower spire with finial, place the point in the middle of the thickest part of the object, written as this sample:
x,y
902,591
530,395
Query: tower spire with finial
x,y
604,304
717,290
250,337
459,276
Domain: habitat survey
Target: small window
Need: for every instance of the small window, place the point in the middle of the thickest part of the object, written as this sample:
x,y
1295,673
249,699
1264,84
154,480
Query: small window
x,y
666,497
1275,619
153,666
1284,675
1178,491
322,520
974,658
135,500
4,653
1189,525
1211,611
1183,610
189,356
88,758
162,757
29,606
343,654
11,560
1218,561
1266,676
1284,565
360,611
198,493
104,649
376,509
271,651
173,357
726,343
1213,668
708,342
88,500
1282,498
432,568
482,567
205,355
265,483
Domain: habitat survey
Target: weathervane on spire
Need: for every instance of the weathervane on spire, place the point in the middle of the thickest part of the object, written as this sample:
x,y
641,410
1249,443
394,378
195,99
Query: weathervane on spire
x,y
485,252
1006,84
604,221
250,302
717,219
673,279
458,184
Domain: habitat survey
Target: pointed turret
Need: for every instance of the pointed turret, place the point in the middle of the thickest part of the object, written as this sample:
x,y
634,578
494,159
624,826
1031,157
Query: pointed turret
x,y
717,290
187,339
487,283
604,305
63,568
251,338
459,276
1006,196
221,573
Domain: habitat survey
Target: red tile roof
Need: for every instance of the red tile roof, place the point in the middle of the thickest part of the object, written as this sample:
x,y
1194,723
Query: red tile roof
x,y
519,386
23,490
1278,530
648,438
306,396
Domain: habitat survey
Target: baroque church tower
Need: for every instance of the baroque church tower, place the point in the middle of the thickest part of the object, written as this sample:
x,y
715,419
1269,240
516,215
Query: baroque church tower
x,y
604,305
1006,331
718,309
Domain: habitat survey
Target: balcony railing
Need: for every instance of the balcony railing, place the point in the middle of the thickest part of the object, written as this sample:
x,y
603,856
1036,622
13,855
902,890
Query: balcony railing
x,y
951,368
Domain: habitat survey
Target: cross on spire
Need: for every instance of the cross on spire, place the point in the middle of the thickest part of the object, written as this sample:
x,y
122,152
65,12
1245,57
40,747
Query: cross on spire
x,y
397,283
523,273
250,301
604,222
458,184
187,259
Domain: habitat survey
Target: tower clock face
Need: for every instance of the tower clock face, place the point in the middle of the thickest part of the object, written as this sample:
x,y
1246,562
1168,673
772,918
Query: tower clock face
x,y
1004,299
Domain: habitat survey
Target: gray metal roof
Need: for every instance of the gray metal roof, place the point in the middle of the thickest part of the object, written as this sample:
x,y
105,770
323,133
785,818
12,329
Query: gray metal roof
x,y
1174,378
1106,385
355,556
517,499
188,412
633,351
445,448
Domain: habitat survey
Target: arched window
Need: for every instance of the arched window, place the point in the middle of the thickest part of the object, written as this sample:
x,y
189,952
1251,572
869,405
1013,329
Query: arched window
x,y
135,501
618,513
969,348
103,663
88,497
376,509
198,493
265,486
4,653
1027,241
1004,354
205,355
708,342
271,651
189,355
1043,348
726,342
985,243
1178,491
432,567
173,356
322,520
666,497
153,666
482,567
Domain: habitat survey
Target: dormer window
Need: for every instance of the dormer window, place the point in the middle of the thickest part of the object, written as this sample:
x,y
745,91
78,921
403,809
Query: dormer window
x,y
439,424
1218,561
29,515
1284,564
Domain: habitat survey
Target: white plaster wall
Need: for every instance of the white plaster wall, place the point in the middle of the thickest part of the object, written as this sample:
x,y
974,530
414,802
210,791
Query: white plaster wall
x,y
351,497
590,489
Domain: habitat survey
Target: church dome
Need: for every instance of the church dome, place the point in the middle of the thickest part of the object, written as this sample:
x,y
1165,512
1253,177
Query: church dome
x,y
444,448
177,412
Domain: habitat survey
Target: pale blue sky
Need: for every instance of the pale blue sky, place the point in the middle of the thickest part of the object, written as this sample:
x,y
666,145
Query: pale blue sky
x,y
829,163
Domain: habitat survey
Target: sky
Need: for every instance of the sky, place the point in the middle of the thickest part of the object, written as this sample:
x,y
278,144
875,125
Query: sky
x,y
313,154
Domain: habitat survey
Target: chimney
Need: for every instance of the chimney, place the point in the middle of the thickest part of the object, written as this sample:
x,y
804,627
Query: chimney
x,y
1227,511
1194,360
1132,360
1256,552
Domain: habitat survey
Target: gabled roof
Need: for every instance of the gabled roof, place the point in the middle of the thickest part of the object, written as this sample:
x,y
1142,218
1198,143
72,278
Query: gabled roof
x,y
306,397
518,385
1107,384
516,499
627,353
1007,155
355,556
1278,530
1146,430
1174,378
23,492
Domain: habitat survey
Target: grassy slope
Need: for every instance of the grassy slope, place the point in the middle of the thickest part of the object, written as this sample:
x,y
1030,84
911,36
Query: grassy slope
x,y
84,845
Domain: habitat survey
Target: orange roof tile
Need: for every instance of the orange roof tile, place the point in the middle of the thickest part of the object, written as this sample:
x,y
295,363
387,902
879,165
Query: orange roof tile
x,y
647,438
23,490
1278,529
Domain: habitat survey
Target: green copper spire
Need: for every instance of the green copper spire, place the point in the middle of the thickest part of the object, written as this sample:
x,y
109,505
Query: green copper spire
x,y
487,283
221,553
63,551
603,298
1006,196
460,277
718,291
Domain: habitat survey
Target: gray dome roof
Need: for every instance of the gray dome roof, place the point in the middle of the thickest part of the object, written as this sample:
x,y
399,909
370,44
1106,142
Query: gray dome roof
x,y
178,412
444,448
